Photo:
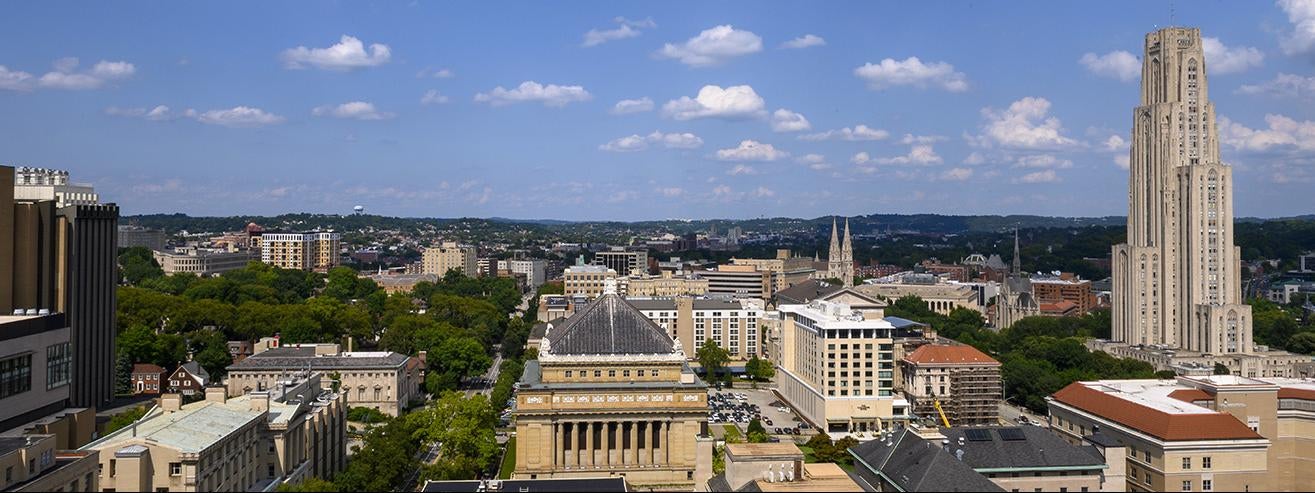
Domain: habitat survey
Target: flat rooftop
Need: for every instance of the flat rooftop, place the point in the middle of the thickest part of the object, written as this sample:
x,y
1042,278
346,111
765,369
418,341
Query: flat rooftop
x,y
188,430
1153,394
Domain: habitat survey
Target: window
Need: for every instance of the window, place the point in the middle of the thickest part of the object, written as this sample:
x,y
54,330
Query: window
x,y
175,468
568,373
1187,463
59,365
1205,463
1207,485
15,375
1187,485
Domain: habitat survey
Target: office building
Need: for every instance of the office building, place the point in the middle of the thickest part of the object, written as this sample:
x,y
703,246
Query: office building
x,y
625,261
963,381
588,280
534,270
291,432
612,394
739,281
733,324
385,381
787,269
36,368
63,258
137,236
317,251
666,285
448,256
202,262
836,367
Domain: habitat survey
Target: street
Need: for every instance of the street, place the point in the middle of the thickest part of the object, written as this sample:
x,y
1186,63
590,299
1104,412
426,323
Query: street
x,y
1009,415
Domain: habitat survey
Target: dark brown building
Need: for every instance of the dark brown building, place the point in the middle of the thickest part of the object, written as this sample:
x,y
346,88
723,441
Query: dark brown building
x,y
188,379
148,379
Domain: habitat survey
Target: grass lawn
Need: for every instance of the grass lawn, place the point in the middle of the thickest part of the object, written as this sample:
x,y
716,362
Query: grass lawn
x,y
733,434
508,460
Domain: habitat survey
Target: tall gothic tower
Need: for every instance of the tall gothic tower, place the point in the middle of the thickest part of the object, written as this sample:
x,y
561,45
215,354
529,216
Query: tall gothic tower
x,y
1177,280
840,261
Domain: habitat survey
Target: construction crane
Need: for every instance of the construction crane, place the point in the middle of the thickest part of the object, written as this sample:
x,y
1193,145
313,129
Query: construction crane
x,y
945,420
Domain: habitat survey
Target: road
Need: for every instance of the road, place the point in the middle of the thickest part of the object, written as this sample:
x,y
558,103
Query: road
x,y
490,378
1009,414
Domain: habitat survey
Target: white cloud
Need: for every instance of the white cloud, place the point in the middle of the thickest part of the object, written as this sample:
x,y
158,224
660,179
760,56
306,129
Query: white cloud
x,y
348,54
671,191
1046,161
912,72
957,174
713,47
861,158
628,106
1282,133
1045,176
815,162
750,150
530,91
432,96
784,120
626,29
356,110
975,158
857,133
65,76
158,113
634,143
1114,144
15,80
1117,64
1026,124
1230,60
764,192
742,169
436,74
910,139
1122,161
240,116
921,154
805,41
1301,40
1283,85
734,102
622,196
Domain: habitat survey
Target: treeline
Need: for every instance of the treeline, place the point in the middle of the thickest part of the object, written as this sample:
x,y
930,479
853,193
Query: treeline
x,y
1287,327
1038,355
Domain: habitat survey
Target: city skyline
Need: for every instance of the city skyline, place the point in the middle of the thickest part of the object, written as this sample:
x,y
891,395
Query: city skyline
x,y
654,112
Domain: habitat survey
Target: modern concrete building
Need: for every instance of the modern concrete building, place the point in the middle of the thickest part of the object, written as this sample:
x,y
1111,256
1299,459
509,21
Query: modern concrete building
x,y
63,258
1177,280
612,395
533,270
836,367
35,463
966,382
284,435
588,280
739,281
380,380
202,262
137,236
317,251
36,367
734,324
448,256
787,269
624,260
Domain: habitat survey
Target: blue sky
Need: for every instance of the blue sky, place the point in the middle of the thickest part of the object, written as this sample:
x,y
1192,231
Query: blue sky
x,y
733,109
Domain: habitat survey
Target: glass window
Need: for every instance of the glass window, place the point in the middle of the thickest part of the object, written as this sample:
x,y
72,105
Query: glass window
x,y
1187,463
15,375
59,365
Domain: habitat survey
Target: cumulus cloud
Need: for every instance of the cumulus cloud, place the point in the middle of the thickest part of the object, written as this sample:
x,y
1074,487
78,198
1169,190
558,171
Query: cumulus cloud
x,y
632,143
1230,60
628,106
857,133
764,192
1047,161
157,113
713,46
348,54
910,139
670,191
1119,146
625,29
551,95
974,158
1026,124
1282,133
805,41
912,72
432,96
956,174
921,154
1122,161
355,110
239,116
1283,85
751,150
742,169
436,74
1116,64
1045,176
784,120
731,103
816,162
65,75
1300,41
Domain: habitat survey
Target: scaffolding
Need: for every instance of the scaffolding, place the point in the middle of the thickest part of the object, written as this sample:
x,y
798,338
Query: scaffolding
x,y
973,399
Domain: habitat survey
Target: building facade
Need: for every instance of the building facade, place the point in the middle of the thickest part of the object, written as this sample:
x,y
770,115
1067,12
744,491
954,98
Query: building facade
x,y
41,184
940,297
317,251
739,281
137,236
588,280
964,381
380,380
147,378
666,285
625,261
450,255
733,324
787,269
837,367
612,395
534,270
200,261
35,463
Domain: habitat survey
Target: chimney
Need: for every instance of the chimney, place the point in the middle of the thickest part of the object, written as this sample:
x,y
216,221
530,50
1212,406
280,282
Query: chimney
x,y
216,393
259,400
171,402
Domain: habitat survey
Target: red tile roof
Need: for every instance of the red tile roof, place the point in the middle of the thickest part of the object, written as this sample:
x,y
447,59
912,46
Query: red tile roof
x,y
943,354
146,368
1189,395
1160,424
1295,393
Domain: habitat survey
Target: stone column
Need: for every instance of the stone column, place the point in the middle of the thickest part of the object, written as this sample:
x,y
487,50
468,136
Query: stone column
x,y
634,442
559,450
641,431
589,444
666,441
658,443
607,443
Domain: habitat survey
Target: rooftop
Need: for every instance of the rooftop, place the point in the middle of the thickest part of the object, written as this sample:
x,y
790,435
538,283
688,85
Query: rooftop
x,y
1146,406
914,464
190,430
585,485
608,326
934,354
1019,448
302,358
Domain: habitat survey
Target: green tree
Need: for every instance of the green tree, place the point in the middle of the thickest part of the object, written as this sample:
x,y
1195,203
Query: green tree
x,y
1302,342
463,426
1220,369
385,459
123,419
457,358
137,264
759,369
308,485
712,358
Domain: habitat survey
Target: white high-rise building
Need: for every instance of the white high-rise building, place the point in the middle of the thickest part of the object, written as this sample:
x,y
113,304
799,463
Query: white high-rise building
x,y
1177,280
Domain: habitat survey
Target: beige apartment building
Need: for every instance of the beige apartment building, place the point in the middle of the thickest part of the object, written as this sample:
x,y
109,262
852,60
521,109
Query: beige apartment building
x,y
450,255
254,442
666,285
35,463
382,380
837,367
733,324
1206,433
588,280
966,382
787,269
612,395
317,251
942,297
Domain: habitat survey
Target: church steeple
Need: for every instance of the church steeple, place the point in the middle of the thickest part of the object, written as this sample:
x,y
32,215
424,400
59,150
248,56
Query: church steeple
x,y
1018,259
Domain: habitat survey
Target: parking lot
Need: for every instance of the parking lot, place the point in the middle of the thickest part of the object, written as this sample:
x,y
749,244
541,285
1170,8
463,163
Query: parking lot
x,y
740,405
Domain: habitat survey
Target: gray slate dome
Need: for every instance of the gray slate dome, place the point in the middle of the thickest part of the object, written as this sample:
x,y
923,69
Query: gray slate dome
x,y
609,325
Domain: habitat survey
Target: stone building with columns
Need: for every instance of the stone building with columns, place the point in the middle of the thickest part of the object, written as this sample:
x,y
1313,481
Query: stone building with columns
x,y
612,395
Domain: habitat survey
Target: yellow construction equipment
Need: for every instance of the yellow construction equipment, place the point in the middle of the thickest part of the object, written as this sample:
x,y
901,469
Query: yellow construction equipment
x,y
945,420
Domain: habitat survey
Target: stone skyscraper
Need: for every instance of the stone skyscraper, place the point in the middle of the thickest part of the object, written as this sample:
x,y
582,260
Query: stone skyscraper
x,y
840,261
1177,280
